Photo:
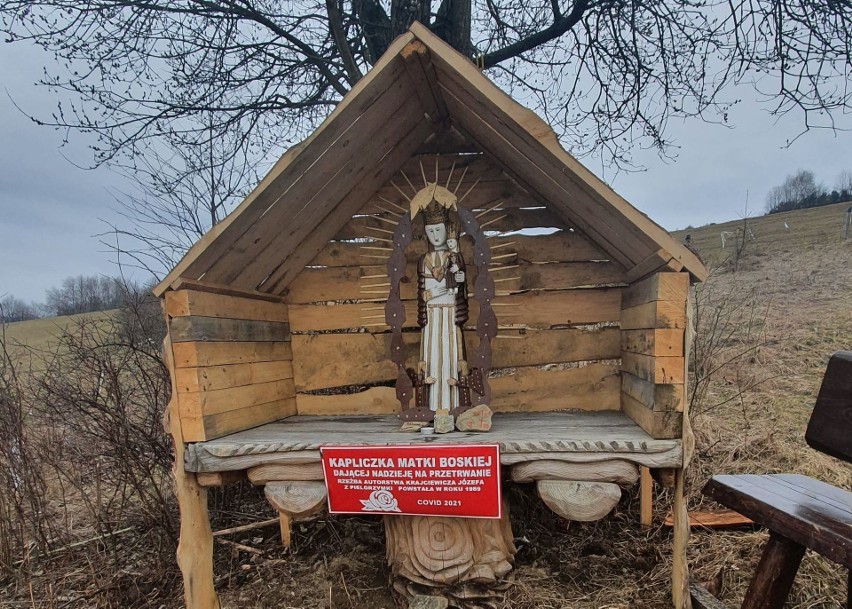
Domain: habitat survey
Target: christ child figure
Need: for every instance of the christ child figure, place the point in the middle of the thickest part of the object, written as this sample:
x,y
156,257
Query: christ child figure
x,y
455,274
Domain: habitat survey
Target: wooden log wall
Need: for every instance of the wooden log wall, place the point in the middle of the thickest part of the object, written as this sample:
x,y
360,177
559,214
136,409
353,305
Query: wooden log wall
x,y
233,362
653,322
558,302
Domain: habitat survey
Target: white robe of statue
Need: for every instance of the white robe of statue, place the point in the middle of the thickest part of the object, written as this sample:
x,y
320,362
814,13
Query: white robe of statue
x,y
441,345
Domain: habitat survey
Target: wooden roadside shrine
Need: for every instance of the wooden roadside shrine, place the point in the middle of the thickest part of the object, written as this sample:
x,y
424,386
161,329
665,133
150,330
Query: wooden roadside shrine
x,y
280,332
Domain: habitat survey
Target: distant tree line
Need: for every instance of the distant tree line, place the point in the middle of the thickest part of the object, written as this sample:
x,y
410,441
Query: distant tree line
x,y
80,294
801,190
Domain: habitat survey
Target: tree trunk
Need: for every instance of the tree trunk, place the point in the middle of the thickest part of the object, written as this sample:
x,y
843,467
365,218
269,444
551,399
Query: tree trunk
x,y
452,24
406,12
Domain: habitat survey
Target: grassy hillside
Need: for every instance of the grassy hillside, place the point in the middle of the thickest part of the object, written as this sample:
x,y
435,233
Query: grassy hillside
x,y
777,233
41,336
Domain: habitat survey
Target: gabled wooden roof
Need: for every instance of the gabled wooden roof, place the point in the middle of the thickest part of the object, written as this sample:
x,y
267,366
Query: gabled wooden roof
x,y
418,87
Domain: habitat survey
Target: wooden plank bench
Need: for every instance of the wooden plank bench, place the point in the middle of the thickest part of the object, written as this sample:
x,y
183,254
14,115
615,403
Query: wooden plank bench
x,y
800,512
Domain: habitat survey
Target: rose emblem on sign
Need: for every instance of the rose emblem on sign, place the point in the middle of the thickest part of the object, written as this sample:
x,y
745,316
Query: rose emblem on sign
x,y
380,501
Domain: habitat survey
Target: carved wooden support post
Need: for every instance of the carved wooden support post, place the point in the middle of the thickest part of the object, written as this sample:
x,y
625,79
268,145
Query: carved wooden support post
x,y
462,559
680,542
195,545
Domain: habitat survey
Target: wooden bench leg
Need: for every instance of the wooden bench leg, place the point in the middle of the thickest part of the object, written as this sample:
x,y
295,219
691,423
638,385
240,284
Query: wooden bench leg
x,y
774,576
646,497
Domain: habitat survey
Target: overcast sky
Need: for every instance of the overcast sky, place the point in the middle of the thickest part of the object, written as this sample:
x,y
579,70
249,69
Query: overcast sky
x,y
50,210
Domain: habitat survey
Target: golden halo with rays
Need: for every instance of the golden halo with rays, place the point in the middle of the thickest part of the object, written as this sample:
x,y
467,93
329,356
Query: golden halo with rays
x,y
374,284
432,192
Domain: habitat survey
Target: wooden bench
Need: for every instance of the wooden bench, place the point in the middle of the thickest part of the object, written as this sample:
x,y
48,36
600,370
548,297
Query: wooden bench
x,y
800,512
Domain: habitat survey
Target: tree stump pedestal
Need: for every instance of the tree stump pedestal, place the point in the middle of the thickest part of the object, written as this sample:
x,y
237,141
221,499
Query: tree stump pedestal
x,y
464,560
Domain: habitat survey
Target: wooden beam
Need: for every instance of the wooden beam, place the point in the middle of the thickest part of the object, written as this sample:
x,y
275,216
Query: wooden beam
x,y
208,427
540,309
527,389
673,287
183,283
662,342
287,236
418,65
208,479
534,177
213,378
702,599
335,360
284,524
560,246
656,314
204,403
201,354
657,262
347,282
661,425
654,369
195,541
276,472
182,303
680,545
194,328
654,396
372,174
617,471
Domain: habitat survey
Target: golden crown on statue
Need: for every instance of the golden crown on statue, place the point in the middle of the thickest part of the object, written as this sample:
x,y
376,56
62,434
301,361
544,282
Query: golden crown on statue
x,y
435,213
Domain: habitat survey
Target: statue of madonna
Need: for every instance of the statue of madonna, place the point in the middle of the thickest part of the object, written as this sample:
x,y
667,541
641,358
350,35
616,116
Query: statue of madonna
x,y
442,311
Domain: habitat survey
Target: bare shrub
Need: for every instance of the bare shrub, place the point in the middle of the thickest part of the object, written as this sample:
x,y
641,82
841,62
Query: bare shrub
x,y
730,324
103,394
23,527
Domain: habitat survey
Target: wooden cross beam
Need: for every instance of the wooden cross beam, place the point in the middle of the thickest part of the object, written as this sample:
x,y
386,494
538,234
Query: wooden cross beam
x,y
418,64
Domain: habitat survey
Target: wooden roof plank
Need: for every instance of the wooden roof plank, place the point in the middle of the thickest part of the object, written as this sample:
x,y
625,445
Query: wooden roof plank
x,y
182,283
530,175
540,174
659,260
341,214
351,105
446,58
300,193
298,211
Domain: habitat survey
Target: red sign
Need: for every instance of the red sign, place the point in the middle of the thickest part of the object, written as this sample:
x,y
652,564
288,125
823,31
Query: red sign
x,y
444,480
